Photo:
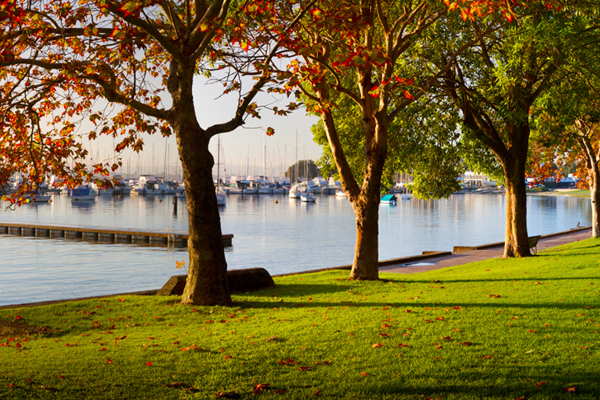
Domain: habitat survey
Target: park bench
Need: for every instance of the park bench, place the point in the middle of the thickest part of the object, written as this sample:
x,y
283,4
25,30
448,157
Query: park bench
x,y
533,241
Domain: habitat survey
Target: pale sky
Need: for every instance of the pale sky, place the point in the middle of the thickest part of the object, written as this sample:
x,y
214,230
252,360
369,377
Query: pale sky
x,y
242,149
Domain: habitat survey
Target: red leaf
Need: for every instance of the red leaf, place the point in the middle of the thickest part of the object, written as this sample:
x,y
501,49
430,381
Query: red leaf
x,y
571,389
149,363
364,373
18,317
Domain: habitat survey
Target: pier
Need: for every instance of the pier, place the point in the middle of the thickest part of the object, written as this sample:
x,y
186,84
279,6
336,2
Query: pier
x,y
105,235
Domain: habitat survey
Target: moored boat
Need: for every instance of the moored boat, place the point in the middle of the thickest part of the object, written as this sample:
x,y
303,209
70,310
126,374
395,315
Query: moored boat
x,y
83,192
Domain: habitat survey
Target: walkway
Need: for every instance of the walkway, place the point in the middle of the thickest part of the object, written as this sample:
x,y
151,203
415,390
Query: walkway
x,y
484,253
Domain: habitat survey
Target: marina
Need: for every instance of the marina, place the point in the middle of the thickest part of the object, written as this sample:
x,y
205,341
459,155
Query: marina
x,y
275,232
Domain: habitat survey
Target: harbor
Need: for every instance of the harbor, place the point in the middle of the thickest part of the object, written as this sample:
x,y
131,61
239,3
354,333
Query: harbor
x,y
274,232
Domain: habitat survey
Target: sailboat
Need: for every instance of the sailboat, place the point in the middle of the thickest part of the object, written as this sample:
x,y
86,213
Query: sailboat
x,y
220,193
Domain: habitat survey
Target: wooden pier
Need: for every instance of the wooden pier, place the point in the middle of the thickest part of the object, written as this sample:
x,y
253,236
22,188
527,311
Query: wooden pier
x,y
104,235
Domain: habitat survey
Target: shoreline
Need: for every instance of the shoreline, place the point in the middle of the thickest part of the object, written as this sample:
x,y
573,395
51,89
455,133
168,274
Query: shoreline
x,y
406,265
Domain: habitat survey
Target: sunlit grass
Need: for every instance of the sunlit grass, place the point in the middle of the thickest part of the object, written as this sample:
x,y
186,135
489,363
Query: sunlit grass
x,y
499,329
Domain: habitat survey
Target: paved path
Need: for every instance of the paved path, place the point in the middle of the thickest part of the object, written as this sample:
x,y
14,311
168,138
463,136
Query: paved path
x,y
479,255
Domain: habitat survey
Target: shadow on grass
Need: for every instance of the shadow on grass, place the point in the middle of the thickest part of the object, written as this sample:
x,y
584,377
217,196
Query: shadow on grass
x,y
516,382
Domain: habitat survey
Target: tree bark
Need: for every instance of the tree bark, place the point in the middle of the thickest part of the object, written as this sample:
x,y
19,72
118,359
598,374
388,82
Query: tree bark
x,y
593,170
207,272
365,265
595,197
516,241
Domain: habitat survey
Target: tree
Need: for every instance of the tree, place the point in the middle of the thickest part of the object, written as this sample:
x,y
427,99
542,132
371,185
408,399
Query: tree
x,y
495,87
360,50
60,59
305,168
567,125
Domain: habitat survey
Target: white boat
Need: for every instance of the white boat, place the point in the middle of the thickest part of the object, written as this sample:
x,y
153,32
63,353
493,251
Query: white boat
x,y
149,185
405,196
180,192
220,193
83,193
389,199
37,197
308,197
221,197
119,188
340,193
295,191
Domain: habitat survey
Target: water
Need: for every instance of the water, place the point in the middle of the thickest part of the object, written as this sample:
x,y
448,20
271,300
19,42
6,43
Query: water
x,y
282,237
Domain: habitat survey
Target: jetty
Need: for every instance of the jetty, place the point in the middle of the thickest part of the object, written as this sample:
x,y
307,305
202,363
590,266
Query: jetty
x,y
154,237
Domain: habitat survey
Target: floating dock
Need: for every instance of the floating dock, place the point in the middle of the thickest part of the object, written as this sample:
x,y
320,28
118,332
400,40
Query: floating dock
x,y
104,235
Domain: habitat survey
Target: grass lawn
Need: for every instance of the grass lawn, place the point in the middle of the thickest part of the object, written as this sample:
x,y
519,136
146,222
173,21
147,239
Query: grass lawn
x,y
500,329
574,193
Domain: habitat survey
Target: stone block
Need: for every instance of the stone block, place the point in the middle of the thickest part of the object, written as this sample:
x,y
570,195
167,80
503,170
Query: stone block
x,y
240,280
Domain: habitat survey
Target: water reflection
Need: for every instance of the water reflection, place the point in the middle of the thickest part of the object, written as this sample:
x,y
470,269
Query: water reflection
x,y
287,236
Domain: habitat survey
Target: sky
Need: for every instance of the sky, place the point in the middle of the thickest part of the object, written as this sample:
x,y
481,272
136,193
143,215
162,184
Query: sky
x,y
241,150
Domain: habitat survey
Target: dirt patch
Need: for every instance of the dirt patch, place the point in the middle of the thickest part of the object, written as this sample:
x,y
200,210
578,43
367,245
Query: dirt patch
x,y
20,329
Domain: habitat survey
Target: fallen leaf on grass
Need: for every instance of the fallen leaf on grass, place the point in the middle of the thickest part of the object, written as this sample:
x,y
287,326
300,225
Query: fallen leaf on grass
x,y
402,345
149,363
12,385
494,296
258,389
317,393
289,361
377,345
486,357
49,388
191,348
305,368
229,395
324,362
465,343
571,389
447,338
364,373
540,384
281,391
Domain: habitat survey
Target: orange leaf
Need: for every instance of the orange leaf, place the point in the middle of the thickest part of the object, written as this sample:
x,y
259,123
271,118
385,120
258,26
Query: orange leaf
x,y
377,345
570,389
364,373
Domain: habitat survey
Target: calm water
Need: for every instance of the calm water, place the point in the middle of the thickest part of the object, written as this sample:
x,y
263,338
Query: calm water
x,y
282,237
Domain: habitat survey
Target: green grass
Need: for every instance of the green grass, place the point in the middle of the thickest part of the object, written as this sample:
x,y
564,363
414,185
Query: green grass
x,y
580,193
517,327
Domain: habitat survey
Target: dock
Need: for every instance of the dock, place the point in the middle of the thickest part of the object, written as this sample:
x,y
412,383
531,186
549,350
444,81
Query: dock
x,y
154,237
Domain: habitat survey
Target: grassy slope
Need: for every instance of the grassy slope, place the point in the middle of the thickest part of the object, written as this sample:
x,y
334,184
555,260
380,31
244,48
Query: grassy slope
x,y
532,325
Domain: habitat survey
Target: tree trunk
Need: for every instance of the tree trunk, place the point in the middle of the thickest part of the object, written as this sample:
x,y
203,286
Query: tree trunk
x,y
207,273
366,252
516,242
595,197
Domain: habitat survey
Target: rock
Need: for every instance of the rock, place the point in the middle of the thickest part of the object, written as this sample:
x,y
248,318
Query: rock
x,y
240,280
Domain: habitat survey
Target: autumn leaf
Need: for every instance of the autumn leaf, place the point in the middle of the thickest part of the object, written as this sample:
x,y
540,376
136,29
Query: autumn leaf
x,y
193,347
305,368
364,373
465,343
289,361
402,345
18,318
540,383
258,389
571,389
180,264
377,345
317,393
446,338
149,363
